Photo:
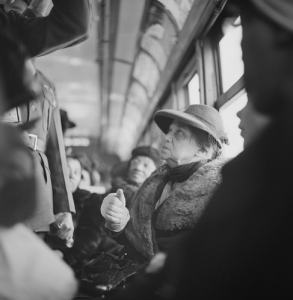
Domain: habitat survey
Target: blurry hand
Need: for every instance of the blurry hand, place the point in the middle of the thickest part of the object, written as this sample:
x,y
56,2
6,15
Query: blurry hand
x,y
157,263
64,225
114,211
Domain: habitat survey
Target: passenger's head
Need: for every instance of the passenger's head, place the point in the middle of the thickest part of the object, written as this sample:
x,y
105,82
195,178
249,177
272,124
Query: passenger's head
x,y
74,172
252,123
267,52
17,5
193,135
143,162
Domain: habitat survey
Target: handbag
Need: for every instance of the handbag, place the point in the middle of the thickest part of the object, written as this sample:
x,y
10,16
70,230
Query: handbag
x,y
103,272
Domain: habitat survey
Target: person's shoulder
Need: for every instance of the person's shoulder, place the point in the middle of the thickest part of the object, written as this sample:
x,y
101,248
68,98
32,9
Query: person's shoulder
x,y
211,170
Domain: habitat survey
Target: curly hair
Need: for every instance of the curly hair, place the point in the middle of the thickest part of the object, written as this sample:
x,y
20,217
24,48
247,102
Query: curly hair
x,y
206,140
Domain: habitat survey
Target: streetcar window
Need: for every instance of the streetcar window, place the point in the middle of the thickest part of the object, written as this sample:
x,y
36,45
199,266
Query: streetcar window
x,y
232,67
232,96
193,90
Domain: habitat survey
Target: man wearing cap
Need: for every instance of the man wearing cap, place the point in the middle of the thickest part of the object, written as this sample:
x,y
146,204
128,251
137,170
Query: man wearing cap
x,y
242,247
143,162
171,201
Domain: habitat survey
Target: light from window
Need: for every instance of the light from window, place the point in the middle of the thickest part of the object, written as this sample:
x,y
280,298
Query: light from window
x,y
231,54
193,90
231,122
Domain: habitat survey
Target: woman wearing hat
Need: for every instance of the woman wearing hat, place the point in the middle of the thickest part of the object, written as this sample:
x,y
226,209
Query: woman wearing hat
x,y
171,201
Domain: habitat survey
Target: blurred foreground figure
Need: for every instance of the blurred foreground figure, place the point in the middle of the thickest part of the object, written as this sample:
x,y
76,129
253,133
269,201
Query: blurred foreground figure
x,y
242,247
252,123
67,24
54,200
29,270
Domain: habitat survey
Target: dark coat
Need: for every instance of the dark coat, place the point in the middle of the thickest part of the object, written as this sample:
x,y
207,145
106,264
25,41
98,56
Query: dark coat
x,y
68,23
90,234
242,246
44,35
41,36
145,235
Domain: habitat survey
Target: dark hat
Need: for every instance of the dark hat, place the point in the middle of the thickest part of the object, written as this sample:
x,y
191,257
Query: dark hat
x,y
148,152
65,122
279,11
199,116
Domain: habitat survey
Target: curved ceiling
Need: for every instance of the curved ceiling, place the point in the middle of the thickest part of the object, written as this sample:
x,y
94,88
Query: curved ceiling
x,y
111,84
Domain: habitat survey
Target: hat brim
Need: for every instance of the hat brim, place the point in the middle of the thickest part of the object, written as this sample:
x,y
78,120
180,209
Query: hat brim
x,y
164,119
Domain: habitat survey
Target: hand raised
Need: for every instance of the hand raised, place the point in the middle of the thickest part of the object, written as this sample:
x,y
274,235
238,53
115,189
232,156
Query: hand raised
x,y
114,211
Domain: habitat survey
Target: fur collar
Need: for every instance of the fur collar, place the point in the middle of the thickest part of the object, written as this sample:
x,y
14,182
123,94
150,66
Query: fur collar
x,y
181,210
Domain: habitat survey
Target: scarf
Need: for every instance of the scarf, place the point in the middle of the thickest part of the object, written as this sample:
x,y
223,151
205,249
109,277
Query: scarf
x,y
177,174
182,209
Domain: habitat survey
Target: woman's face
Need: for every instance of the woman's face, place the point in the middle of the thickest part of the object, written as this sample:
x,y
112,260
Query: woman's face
x,y
140,168
180,147
74,170
251,123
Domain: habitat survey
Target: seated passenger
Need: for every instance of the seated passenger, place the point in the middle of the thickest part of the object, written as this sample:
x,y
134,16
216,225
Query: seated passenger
x,y
171,201
144,161
90,234
87,235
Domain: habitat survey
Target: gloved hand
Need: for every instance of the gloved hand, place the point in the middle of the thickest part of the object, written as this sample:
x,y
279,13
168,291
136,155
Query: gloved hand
x,y
64,227
114,211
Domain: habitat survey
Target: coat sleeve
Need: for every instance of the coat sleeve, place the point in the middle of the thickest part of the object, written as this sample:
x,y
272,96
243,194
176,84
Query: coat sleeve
x,y
68,23
62,196
89,232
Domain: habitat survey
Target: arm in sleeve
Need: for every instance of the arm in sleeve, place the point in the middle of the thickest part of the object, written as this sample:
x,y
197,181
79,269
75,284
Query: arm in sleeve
x,y
62,196
68,23
89,232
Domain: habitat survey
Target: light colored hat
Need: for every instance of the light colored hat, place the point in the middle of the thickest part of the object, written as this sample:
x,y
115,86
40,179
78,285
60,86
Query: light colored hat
x,y
279,11
199,116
